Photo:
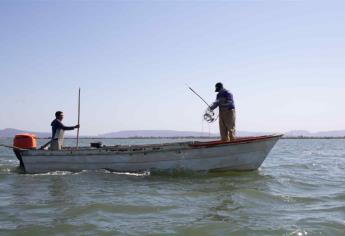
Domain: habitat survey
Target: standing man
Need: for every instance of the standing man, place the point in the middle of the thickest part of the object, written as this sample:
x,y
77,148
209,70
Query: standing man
x,y
227,115
58,130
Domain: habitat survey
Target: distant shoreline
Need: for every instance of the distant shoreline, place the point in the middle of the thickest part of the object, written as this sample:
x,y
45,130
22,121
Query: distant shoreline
x,y
312,137
174,134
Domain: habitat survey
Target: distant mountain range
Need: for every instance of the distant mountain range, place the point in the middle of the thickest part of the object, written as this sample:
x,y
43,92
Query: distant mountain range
x,y
154,133
9,132
169,133
305,133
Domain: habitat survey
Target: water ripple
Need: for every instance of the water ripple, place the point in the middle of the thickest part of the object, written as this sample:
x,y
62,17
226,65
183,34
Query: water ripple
x,y
299,190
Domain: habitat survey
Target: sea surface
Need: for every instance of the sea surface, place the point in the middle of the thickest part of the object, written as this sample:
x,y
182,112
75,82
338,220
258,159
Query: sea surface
x,y
299,190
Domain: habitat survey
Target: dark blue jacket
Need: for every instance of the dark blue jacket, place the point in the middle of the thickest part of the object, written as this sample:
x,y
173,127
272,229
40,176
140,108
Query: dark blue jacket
x,y
224,100
57,124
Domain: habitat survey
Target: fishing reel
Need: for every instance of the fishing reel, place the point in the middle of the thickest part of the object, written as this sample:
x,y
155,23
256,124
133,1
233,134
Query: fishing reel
x,y
210,116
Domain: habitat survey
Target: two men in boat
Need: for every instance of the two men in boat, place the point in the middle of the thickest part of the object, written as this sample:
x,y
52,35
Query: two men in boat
x,y
58,130
227,115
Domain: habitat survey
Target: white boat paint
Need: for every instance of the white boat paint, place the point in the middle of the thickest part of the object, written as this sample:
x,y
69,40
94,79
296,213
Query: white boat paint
x,y
242,154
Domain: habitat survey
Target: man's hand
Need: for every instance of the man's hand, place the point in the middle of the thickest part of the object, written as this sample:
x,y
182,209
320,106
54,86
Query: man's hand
x,y
77,126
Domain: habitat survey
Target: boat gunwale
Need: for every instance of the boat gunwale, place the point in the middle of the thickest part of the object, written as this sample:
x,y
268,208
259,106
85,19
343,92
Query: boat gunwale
x,y
240,140
129,150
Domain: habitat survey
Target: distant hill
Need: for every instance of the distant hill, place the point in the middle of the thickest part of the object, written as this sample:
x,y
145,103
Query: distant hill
x,y
305,133
9,133
156,133
168,133
131,133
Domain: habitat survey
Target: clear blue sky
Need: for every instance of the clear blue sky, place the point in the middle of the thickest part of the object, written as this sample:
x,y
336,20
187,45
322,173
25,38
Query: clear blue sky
x,y
284,61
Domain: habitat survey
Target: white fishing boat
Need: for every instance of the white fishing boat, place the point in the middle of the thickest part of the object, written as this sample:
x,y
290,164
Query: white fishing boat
x,y
241,154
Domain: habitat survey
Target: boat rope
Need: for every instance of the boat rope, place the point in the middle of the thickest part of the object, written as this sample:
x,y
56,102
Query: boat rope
x,y
13,147
207,129
210,116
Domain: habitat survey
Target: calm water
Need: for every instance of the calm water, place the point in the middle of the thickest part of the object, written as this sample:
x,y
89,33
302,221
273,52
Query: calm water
x,y
299,190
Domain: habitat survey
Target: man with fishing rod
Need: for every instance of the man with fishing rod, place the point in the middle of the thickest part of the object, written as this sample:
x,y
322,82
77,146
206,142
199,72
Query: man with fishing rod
x,y
227,117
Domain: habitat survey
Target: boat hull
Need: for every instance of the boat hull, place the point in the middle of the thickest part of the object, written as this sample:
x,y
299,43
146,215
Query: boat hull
x,y
203,156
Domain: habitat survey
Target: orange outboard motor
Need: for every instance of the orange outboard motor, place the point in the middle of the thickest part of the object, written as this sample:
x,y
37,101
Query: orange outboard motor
x,y
27,141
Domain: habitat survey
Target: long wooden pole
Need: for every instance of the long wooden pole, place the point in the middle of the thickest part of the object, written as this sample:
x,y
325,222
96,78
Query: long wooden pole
x,y
78,118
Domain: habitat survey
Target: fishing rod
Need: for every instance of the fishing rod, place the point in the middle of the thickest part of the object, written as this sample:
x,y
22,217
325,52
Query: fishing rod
x,y
209,114
198,95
